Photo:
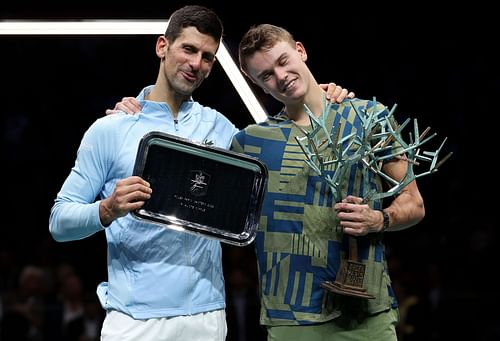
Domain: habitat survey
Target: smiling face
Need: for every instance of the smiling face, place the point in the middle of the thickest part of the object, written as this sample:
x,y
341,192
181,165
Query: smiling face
x,y
187,61
280,71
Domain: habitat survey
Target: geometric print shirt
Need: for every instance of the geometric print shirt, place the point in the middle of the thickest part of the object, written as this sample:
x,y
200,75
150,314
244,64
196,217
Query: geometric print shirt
x,y
299,244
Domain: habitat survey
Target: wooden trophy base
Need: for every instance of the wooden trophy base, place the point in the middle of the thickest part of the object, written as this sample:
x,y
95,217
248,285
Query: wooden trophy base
x,y
349,281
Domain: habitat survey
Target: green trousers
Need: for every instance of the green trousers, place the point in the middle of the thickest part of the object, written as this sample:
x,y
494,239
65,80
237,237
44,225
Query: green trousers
x,y
381,326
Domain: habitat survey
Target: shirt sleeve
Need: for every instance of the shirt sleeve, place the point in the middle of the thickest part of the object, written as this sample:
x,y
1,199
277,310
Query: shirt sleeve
x,y
75,213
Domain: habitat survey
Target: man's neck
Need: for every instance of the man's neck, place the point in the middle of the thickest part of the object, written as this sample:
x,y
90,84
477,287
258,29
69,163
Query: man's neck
x,y
313,99
172,99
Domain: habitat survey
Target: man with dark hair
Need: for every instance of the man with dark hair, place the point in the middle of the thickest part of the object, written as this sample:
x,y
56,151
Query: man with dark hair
x,y
162,284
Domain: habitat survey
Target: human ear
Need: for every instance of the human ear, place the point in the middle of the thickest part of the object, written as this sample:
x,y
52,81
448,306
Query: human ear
x,y
161,45
301,50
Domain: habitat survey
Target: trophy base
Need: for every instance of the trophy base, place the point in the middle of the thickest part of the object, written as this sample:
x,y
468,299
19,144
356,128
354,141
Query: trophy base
x,y
349,280
346,290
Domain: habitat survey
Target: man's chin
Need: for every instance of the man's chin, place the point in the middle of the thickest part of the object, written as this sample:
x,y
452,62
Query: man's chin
x,y
292,95
186,90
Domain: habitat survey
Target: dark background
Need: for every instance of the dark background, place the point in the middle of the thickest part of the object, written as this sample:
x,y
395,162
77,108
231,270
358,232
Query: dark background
x,y
439,66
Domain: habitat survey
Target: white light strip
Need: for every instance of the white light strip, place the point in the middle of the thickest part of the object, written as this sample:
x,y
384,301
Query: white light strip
x,y
133,27
241,85
90,27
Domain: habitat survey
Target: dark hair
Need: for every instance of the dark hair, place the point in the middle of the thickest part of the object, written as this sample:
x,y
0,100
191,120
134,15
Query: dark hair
x,y
261,37
204,19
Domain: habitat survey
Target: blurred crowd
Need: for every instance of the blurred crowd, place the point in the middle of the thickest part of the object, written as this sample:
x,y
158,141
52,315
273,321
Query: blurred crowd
x,y
55,300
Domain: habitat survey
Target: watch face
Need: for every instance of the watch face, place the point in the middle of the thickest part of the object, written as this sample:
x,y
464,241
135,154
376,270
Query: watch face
x,y
201,189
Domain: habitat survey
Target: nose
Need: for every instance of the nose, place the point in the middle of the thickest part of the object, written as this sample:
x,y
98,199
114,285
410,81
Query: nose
x,y
281,77
280,73
195,61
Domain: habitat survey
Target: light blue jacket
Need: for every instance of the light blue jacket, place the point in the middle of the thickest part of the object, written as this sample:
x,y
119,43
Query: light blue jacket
x,y
152,271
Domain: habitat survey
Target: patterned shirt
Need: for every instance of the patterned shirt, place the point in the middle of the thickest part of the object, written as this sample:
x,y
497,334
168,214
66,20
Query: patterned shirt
x,y
298,243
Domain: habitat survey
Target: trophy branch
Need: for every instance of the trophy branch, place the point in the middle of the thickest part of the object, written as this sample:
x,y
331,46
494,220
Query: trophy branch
x,y
331,156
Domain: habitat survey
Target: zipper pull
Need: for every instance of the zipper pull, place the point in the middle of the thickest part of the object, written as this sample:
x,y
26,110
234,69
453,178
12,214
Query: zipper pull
x,y
175,124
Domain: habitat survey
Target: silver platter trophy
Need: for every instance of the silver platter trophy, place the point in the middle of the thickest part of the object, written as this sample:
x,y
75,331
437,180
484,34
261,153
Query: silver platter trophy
x,y
201,189
369,148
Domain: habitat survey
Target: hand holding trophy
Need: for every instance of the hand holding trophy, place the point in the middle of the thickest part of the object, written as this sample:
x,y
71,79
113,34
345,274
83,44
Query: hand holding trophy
x,y
332,155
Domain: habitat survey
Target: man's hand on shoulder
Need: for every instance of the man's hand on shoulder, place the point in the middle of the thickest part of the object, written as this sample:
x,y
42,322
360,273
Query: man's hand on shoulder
x,y
129,105
335,93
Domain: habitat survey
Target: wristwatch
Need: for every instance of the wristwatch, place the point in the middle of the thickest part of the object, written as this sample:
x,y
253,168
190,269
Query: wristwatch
x,y
386,220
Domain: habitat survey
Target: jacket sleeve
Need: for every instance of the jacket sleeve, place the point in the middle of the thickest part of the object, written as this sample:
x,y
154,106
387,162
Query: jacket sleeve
x,y
75,213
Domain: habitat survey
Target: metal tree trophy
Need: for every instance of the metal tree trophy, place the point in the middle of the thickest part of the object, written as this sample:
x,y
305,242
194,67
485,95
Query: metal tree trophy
x,y
369,148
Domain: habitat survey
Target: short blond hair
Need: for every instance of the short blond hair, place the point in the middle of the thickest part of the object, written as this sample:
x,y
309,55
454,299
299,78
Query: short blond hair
x,y
261,37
